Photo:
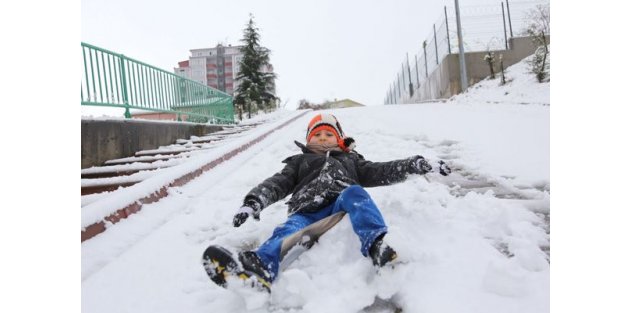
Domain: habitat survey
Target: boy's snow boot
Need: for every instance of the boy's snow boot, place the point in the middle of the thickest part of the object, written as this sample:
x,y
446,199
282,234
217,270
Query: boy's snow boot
x,y
220,264
381,253
253,266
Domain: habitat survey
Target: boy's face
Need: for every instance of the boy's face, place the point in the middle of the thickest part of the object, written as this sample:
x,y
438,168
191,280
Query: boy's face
x,y
324,137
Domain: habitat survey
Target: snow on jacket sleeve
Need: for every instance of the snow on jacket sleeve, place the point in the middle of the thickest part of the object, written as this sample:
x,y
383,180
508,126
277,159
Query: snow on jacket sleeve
x,y
277,186
372,174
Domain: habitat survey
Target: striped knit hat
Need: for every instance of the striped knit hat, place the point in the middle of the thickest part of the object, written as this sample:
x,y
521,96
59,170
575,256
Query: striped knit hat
x,y
329,122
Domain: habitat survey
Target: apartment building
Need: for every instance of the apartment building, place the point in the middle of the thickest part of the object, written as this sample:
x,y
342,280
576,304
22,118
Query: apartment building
x,y
215,67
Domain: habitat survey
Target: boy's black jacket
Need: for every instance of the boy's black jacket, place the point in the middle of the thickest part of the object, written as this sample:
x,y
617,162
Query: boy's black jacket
x,y
316,180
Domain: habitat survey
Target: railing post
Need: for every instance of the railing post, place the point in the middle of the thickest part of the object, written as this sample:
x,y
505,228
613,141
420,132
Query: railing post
x,y
87,78
123,80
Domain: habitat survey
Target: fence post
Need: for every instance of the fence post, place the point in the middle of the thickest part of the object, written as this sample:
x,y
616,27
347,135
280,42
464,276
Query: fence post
x,y
462,56
400,92
426,68
417,70
509,18
123,80
391,93
504,29
402,73
401,83
448,38
437,61
409,72
397,84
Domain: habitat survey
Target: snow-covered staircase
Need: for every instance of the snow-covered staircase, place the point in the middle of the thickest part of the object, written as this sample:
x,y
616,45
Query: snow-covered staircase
x,y
124,172
120,187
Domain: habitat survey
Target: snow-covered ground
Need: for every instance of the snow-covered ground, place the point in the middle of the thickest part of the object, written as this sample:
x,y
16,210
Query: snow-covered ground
x,y
459,252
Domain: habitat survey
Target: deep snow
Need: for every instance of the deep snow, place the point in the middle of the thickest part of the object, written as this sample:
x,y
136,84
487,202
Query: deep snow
x,y
475,252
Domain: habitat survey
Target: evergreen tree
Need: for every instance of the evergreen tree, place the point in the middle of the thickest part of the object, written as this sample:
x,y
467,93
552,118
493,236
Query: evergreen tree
x,y
254,90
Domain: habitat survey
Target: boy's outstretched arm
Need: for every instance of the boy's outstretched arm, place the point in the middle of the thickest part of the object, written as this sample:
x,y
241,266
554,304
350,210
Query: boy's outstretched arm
x,y
373,174
266,193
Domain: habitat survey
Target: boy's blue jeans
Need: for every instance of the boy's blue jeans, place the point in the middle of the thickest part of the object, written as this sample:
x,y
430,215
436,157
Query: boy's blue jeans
x,y
365,217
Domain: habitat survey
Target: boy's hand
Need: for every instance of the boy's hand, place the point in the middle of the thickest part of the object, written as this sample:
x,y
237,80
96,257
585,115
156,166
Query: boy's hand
x,y
251,207
420,165
443,168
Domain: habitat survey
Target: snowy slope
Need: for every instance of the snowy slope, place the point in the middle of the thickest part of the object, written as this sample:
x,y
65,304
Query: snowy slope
x,y
460,252
521,88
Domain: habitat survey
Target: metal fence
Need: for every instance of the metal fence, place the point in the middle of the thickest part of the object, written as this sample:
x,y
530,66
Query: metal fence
x,y
114,80
484,28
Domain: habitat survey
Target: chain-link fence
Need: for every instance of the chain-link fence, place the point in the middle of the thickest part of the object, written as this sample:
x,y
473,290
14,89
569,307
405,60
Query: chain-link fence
x,y
484,28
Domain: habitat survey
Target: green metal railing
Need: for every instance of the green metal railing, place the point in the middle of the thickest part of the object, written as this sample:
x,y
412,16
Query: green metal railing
x,y
114,80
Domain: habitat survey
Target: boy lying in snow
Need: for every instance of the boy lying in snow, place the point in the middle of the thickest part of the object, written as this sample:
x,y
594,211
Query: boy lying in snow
x,y
327,178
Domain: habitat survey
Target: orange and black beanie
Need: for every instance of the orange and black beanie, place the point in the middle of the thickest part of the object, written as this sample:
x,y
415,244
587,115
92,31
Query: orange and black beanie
x,y
329,122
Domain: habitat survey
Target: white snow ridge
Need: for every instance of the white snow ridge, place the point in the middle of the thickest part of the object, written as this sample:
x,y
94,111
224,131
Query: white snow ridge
x,y
476,241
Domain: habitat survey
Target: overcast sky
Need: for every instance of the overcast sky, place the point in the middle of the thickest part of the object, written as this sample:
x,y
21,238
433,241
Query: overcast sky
x,y
322,49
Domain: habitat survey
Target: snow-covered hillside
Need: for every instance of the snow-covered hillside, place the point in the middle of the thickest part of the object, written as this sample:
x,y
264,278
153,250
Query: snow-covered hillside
x,y
521,88
462,247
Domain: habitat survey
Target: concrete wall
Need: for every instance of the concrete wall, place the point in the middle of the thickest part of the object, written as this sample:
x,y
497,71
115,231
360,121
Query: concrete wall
x,y
103,140
445,82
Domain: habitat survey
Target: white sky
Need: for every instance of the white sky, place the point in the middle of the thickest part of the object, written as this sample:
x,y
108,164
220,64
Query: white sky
x,y
321,49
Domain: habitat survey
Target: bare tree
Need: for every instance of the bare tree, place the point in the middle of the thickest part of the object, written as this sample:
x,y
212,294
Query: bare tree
x,y
538,28
538,21
502,69
489,58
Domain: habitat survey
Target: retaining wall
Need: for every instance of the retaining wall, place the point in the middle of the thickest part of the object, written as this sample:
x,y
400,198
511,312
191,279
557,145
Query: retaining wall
x,y
103,140
445,82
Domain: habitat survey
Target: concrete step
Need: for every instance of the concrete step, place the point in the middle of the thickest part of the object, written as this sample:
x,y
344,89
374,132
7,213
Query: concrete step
x,y
125,172
105,187
145,159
